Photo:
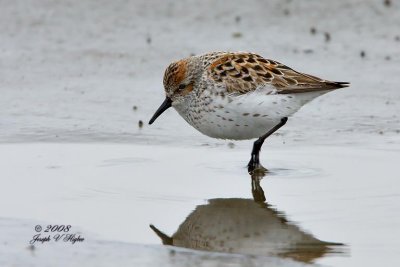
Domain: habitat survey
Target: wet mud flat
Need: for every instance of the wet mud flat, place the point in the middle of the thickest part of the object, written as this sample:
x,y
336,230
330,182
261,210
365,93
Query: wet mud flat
x,y
204,202
83,72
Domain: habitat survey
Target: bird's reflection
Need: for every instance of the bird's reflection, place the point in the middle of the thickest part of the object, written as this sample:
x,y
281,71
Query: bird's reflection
x,y
246,226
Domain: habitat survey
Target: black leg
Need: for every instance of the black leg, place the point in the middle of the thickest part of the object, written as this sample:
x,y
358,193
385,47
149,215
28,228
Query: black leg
x,y
254,163
256,189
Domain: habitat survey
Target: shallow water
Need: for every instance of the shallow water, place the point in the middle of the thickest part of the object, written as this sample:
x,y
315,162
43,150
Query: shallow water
x,y
113,192
72,73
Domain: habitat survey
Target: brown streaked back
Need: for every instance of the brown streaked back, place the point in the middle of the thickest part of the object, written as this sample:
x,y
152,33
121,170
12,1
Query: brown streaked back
x,y
245,72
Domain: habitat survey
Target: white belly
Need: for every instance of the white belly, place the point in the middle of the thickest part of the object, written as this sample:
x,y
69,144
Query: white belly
x,y
246,116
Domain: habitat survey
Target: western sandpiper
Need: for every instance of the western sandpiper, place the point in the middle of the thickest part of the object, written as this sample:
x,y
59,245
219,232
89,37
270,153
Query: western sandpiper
x,y
238,95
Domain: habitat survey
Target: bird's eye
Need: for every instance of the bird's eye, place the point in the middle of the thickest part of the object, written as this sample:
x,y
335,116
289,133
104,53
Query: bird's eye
x,y
181,87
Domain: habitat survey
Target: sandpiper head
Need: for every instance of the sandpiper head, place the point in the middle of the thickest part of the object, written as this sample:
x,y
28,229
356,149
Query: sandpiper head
x,y
179,78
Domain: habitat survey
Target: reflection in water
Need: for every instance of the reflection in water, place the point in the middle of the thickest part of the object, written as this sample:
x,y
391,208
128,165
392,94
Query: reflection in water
x,y
246,226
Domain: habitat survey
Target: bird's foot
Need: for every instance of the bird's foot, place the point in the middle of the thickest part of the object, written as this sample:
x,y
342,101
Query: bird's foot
x,y
256,169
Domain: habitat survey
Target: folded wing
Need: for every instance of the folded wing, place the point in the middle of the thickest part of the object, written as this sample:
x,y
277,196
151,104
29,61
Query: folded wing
x,y
245,72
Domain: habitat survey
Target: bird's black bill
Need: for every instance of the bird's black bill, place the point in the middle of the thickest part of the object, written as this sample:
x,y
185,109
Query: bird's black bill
x,y
164,106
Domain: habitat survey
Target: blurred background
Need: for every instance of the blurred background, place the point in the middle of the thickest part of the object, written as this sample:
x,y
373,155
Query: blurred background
x,y
85,71
79,81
